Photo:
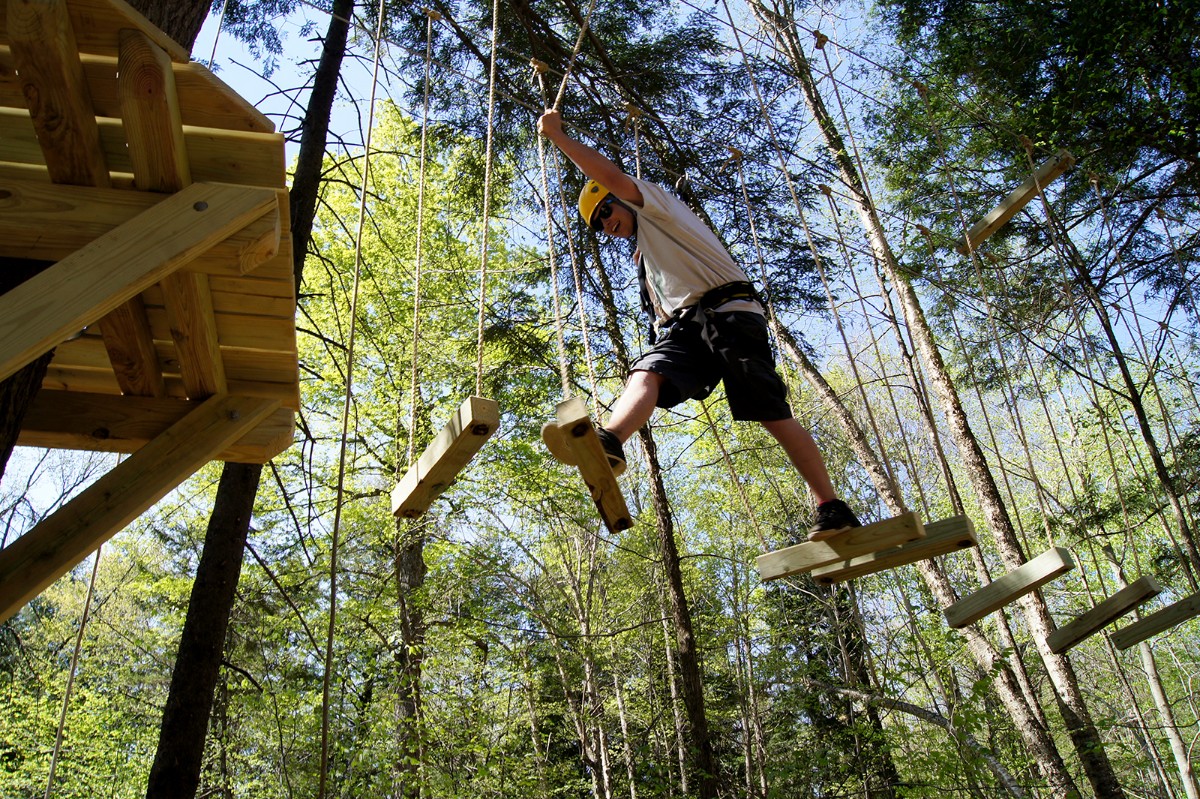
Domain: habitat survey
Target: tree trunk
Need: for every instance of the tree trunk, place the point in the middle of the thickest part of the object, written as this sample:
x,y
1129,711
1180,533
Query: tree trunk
x,y
691,682
176,767
175,772
1089,747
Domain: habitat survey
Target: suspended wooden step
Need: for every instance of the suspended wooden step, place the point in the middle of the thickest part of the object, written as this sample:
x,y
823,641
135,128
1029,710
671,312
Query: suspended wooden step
x,y
1015,201
1156,622
572,438
447,455
845,546
941,537
1009,588
1103,614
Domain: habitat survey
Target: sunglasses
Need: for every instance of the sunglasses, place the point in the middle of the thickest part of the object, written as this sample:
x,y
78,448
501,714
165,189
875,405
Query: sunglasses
x,y
603,212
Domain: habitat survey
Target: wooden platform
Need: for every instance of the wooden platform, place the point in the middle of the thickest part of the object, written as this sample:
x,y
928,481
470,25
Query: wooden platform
x,y
156,200
1105,613
941,538
124,125
856,541
575,424
451,450
1009,588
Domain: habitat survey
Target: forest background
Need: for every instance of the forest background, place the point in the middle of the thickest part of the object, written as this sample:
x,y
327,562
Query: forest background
x,y
506,644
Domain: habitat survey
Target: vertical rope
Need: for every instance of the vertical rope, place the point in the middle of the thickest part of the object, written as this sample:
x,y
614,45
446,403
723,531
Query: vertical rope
x,y
66,703
487,197
326,679
563,367
431,17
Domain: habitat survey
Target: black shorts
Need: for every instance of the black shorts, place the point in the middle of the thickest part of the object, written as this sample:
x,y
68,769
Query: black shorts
x,y
705,348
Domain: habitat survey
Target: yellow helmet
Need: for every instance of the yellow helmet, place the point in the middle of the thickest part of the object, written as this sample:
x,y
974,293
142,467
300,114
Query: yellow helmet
x,y
590,198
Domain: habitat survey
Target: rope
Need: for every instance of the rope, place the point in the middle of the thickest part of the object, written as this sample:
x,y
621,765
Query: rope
x,y
217,36
487,198
416,336
66,703
326,680
562,87
563,368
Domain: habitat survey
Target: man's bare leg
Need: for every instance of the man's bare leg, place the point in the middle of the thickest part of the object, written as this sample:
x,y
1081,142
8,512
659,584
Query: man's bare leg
x,y
802,451
635,405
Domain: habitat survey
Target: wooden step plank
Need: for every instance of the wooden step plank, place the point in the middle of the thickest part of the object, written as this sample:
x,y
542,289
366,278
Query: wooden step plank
x,y
1170,616
1017,199
115,423
63,539
219,156
1103,614
941,538
579,433
1009,588
75,292
205,100
446,456
845,546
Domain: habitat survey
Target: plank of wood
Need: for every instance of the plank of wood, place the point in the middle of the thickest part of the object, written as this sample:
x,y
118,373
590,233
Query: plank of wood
x,y
97,24
446,456
1164,619
47,222
1009,588
854,542
51,80
219,156
132,355
1103,614
579,433
59,542
204,99
83,287
194,331
941,537
115,423
150,110
1016,200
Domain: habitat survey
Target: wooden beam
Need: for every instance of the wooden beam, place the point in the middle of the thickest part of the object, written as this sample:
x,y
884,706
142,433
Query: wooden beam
x,y
98,22
580,436
449,452
114,423
941,537
76,291
1012,586
1103,614
1015,201
219,156
854,542
150,108
204,100
63,539
131,351
1156,622
48,222
56,94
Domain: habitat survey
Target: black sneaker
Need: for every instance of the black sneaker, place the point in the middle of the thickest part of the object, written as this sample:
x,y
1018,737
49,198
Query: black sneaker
x,y
833,517
613,449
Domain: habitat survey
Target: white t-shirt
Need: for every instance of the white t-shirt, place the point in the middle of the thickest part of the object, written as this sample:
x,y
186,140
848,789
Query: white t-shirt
x,y
682,256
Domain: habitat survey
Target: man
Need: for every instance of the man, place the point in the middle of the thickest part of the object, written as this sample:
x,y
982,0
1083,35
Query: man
x,y
711,325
